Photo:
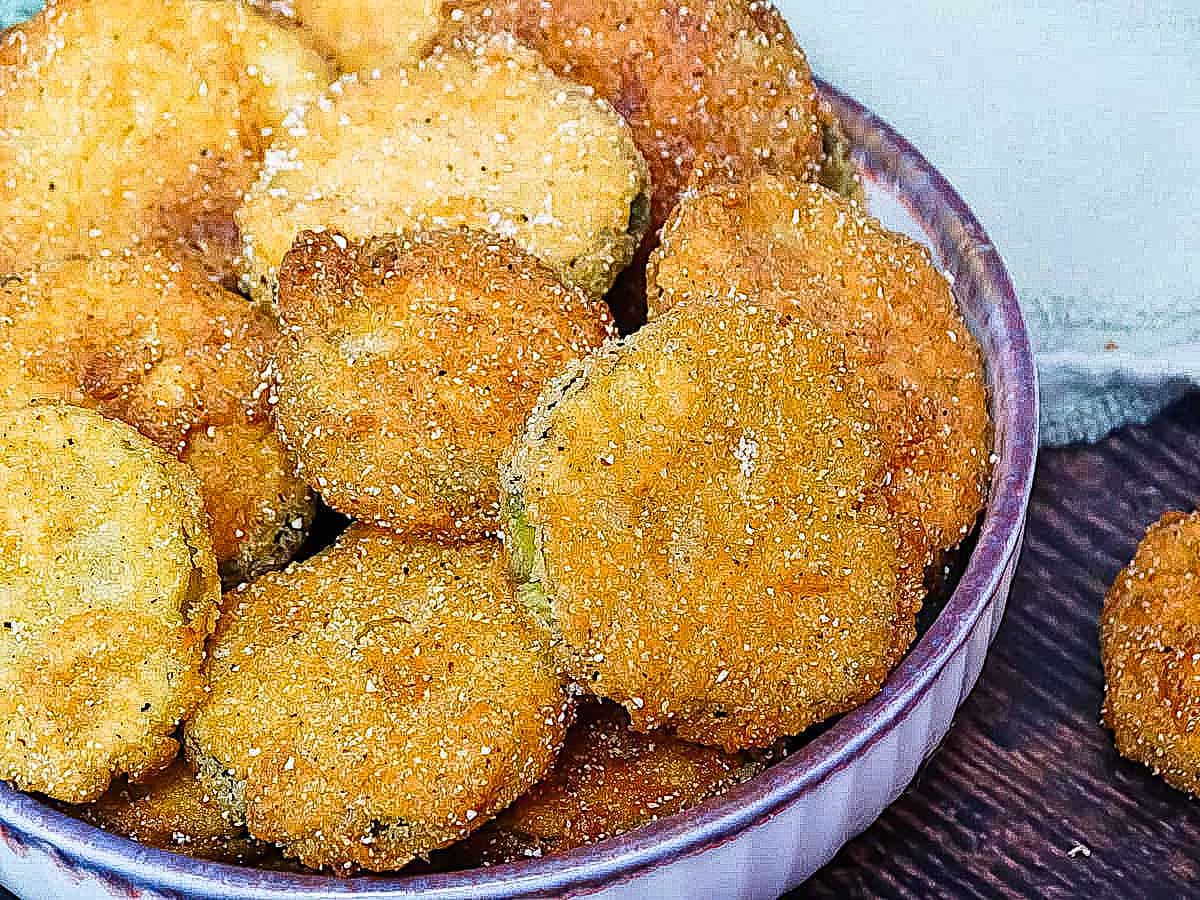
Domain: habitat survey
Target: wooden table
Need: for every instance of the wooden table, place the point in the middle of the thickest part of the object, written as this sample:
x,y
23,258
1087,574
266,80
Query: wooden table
x,y
1026,797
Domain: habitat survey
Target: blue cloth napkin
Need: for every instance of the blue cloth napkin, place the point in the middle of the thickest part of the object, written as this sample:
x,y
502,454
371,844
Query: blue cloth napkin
x,y
13,11
1072,128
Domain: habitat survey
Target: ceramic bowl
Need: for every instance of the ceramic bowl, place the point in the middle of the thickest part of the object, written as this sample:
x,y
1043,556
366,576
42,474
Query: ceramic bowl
x,y
777,829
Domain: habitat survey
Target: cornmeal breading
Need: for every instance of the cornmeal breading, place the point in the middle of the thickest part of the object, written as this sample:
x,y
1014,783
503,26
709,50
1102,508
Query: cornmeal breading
x,y
127,122
378,701
488,139
108,588
697,512
408,366
1150,643
151,341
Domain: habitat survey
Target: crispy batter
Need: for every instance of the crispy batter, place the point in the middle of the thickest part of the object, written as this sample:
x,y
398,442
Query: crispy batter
x,y
709,86
128,121
172,811
1150,643
154,343
381,700
697,513
367,34
488,139
409,365
261,510
806,249
108,588
718,83
608,780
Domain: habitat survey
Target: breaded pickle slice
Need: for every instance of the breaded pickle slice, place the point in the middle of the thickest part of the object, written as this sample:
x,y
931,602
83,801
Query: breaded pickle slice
x,y
716,84
1150,644
409,364
261,511
363,35
378,701
127,122
815,254
697,512
148,339
608,780
108,588
172,811
488,139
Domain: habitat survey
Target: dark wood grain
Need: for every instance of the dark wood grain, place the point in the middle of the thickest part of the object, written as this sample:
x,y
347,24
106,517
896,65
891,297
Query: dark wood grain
x,y
1027,797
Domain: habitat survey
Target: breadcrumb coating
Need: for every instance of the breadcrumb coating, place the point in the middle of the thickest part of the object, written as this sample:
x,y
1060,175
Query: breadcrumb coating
x,y
362,35
409,364
151,341
125,122
717,84
108,588
821,256
717,87
608,780
172,811
261,512
697,513
381,700
488,139
1150,644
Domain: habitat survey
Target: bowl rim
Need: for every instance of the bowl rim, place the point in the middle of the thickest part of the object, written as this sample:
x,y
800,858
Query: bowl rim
x,y
120,861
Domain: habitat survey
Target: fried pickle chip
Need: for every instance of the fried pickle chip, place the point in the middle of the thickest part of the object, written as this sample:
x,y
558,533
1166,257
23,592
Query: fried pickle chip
x,y
608,780
408,365
172,811
489,139
367,34
697,514
108,588
378,701
260,510
719,86
152,342
718,83
809,251
133,121
1150,644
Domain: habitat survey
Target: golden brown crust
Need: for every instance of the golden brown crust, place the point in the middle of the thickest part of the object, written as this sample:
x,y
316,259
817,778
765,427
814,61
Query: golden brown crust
x,y
608,780
807,250
1150,644
485,138
108,588
376,702
409,364
698,513
260,510
718,83
172,811
134,121
153,342
362,35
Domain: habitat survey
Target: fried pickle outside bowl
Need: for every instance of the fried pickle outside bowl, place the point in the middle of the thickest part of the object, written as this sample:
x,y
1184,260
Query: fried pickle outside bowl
x,y
794,816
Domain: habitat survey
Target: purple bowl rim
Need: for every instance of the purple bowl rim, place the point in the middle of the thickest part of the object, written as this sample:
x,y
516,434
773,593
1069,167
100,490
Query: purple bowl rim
x,y
75,843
